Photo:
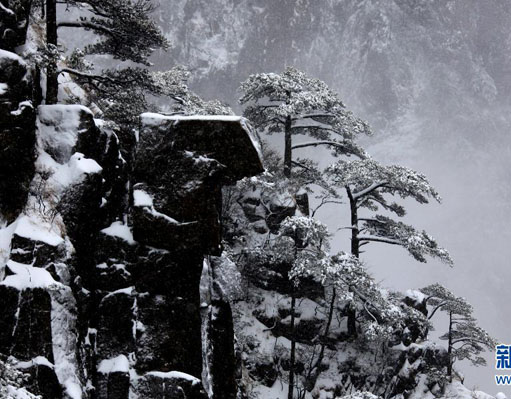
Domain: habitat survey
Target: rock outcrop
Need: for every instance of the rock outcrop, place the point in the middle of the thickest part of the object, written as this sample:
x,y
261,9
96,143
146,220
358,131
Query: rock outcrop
x,y
101,286
17,134
14,17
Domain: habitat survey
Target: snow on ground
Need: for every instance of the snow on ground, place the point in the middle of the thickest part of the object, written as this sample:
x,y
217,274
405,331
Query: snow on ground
x,y
19,393
279,390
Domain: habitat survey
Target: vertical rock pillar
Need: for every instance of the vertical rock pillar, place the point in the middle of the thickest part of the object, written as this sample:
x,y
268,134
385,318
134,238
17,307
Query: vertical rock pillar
x,y
180,167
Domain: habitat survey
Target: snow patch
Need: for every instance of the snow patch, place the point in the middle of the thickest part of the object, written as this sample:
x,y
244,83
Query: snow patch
x,y
25,276
21,106
27,227
3,88
12,56
5,242
39,361
74,171
175,374
120,230
123,291
141,198
19,393
58,127
119,364
154,119
416,295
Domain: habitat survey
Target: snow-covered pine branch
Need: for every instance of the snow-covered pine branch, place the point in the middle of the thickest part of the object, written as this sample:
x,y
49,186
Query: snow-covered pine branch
x,y
418,243
294,103
465,338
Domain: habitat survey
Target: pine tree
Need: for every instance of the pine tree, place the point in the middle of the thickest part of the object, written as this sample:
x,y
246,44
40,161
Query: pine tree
x,y
125,29
465,339
294,103
302,241
366,183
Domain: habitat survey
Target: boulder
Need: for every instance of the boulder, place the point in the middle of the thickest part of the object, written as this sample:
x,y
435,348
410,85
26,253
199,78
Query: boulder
x,y
14,17
43,380
159,230
35,252
15,80
113,379
80,208
185,194
228,139
66,129
265,372
184,161
116,255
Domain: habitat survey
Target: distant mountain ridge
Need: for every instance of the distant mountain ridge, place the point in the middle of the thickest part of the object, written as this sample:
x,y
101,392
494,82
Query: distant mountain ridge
x,y
395,62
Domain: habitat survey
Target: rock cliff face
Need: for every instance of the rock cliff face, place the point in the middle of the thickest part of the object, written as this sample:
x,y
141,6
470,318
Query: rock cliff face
x,y
103,245
113,274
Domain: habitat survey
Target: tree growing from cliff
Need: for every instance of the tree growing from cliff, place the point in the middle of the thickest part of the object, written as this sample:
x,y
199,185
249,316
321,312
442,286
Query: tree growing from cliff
x,y
465,339
124,27
366,183
301,241
126,32
345,280
293,103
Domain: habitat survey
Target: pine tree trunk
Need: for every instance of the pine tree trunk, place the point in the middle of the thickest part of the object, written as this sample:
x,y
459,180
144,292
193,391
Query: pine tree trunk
x,y
37,93
288,152
355,243
449,349
355,251
315,370
291,384
51,39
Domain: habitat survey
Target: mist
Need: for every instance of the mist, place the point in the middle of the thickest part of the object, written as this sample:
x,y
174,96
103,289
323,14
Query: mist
x,y
431,77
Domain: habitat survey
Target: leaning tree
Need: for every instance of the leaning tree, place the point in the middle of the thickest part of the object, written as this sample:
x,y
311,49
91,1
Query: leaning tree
x,y
293,103
465,339
367,183
125,30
